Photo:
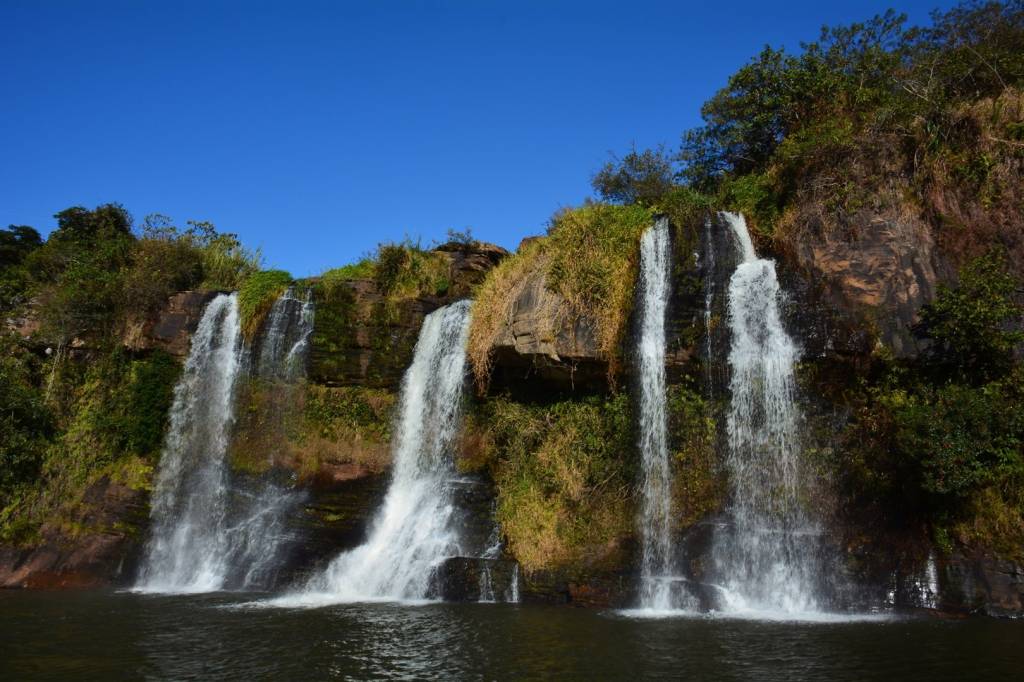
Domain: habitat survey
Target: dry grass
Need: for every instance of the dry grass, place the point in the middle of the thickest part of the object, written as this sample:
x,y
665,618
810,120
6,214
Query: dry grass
x,y
494,304
590,259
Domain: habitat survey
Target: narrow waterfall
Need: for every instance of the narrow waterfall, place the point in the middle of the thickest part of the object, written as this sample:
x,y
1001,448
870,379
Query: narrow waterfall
x,y
211,530
285,341
657,562
768,561
412,531
185,552
258,536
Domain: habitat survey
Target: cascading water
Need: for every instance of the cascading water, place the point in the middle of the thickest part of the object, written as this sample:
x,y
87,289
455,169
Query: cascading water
x,y
186,550
285,342
769,560
210,530
258,537
412,531
657,574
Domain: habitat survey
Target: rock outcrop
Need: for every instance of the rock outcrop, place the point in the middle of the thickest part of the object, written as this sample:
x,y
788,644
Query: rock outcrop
x,y
874,272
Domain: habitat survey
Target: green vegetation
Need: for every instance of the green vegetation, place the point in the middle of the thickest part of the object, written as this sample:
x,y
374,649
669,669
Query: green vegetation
x,y
973,324
699,482
306,427
564,475
400,273
400,270
829,128
931,442
86,408
257,296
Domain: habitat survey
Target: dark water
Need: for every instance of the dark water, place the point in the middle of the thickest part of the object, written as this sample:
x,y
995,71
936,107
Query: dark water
x,y
106,636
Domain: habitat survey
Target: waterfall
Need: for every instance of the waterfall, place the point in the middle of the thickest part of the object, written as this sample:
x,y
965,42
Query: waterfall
x,y
285,340
211,530
185,552
412,531
768,562
258,538
657,561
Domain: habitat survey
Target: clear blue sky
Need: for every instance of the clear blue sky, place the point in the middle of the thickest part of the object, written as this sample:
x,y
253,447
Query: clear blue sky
x,y
316,130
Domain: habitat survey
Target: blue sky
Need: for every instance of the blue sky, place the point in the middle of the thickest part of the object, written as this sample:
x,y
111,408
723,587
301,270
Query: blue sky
x,y
316,130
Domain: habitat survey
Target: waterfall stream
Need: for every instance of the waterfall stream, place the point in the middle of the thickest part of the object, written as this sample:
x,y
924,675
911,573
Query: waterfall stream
x,y
212,531
657,570
412,531
186,550
768,562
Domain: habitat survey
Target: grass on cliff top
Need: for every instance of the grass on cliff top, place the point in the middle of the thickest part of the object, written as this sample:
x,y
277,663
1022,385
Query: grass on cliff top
x,y
590,257
257,296
400,270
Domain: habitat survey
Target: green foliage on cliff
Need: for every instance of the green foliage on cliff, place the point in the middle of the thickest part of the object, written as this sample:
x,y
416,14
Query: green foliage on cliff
x,y
699,483
26,424
88,409
931,441
400,270
17,242
104,419
564,474
257,296
973,323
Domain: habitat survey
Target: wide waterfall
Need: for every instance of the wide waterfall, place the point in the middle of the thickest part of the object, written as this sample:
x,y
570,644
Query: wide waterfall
x,y
769,560
186,550
211,530
412,531
657,565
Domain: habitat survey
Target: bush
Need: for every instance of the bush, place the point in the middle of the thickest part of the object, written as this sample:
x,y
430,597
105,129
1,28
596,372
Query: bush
x,y
637,178
975,323
26,425
963,439
564,476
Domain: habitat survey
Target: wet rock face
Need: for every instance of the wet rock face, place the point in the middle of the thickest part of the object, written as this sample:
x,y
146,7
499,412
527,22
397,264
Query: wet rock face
x,y
105,554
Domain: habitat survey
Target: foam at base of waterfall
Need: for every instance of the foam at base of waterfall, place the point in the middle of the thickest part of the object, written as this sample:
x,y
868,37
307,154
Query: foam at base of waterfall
x,y
766,562
411,532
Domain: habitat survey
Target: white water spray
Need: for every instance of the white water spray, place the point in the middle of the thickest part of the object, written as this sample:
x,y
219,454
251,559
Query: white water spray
x,y
412,531
189,511
768,563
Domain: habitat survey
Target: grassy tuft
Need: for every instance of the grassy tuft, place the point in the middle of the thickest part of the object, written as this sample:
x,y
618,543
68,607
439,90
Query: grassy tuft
x,y
257,296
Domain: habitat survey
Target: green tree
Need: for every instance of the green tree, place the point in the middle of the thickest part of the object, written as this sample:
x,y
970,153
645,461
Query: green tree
x,y
976,324
637,178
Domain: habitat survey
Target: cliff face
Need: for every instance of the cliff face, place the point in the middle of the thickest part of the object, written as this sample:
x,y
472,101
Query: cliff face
x,y
850,285
363,337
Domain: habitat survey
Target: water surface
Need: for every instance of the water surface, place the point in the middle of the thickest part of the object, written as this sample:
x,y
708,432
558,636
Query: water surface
x,y
124,636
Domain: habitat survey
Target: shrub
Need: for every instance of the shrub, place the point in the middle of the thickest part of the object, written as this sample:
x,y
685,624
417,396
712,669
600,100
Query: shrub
x,y
974,324
564,477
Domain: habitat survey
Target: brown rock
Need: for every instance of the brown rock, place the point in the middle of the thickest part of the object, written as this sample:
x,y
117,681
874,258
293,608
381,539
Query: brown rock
x,y
172,329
